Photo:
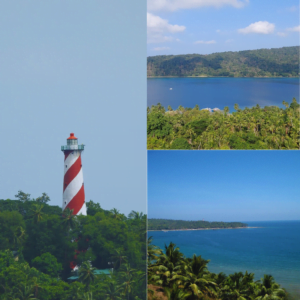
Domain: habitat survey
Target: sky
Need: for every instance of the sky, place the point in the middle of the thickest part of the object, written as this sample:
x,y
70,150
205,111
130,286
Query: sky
x,y
73,66
224,185
209,26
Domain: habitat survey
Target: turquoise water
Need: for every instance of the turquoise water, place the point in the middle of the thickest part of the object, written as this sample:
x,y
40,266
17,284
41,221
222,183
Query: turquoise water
x,y
273,249
221,92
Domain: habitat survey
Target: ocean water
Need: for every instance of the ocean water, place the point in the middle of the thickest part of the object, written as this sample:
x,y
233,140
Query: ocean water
x,y
274,249
221,92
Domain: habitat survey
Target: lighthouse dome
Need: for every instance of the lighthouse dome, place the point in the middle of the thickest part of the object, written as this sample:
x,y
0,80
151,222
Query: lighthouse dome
x,y
72,140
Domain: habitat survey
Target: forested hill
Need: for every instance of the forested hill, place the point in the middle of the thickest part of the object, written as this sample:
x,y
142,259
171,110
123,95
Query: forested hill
x,y
164,224
275,62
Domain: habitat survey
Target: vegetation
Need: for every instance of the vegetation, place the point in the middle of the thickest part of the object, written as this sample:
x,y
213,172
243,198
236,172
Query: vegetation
x,y
270,127
39,244
278,62
173,276
164,224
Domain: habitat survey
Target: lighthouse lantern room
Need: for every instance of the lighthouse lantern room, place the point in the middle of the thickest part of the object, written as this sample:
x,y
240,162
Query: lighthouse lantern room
x,y
73,189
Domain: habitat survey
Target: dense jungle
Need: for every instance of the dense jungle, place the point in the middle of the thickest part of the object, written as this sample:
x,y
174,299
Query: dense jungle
x,y
268,127
172,276
39,244
275,62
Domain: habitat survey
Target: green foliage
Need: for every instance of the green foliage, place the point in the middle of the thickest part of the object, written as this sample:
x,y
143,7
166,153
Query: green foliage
x,y
188,278
157,125
269,127
165,224
280,62
38,243
180,143
47,263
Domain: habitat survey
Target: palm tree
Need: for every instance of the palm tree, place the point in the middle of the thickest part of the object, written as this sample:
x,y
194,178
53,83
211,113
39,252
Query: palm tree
x,y
25,293
87,296
119,257
86,274
136,215
37,212
175,293
127,275
116,214
268,289
112,290
152,251
69,219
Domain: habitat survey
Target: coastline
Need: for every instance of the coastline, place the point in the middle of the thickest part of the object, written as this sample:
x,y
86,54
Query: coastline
x,y
203,229
208,76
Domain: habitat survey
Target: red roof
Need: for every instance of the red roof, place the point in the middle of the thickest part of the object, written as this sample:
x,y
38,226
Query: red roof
x,y
72,137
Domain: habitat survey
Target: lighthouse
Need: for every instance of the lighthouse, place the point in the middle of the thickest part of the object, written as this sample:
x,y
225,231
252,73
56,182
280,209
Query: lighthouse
x,y
73,189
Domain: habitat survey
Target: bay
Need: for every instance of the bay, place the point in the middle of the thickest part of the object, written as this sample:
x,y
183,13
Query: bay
x,y
220,92
273,248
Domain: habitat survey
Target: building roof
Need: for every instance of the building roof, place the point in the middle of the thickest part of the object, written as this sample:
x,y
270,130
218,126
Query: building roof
x,y
96,272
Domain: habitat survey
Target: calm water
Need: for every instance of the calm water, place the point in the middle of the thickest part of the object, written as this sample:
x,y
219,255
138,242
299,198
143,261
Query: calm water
x,y
273,249
221,92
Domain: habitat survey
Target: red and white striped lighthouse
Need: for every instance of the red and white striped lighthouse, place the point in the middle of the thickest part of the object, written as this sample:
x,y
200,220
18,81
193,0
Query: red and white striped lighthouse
x,y
73,190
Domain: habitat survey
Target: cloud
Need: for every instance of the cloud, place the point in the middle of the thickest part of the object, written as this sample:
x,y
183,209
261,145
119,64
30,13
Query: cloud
x,y
293,8
157,28
282,34
294,29
218,30
229,41
173,5
161,48
261,27
205,42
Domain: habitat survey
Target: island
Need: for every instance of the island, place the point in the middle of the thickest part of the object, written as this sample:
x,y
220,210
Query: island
x,y
275,62
167,225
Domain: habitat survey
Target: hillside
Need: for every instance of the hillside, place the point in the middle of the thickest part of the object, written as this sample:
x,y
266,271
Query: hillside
x,y
277,62
165,224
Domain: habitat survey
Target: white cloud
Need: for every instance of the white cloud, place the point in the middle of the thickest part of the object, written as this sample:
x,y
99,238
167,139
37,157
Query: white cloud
x,y
205,42
157,28
294,29
282,34
262,27
293,8
229,41
218,30
161,48
173,5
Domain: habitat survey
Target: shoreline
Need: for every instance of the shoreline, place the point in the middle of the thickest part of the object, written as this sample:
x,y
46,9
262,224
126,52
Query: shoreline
x,y
204,76
202,229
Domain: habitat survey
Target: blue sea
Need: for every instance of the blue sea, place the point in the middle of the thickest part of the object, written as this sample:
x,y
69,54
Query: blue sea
x,y
221,92
274,249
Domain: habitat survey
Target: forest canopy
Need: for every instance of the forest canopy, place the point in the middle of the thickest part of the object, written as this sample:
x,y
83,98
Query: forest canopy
x,y
165,224
39,245
276,62
268,127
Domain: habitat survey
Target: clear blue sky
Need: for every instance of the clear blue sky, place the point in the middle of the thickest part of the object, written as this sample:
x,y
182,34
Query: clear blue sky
x,y
74,66
224,185
208,26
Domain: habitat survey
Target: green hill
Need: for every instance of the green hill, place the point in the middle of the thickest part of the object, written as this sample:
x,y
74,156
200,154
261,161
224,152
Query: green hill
x,y
165,224
277,62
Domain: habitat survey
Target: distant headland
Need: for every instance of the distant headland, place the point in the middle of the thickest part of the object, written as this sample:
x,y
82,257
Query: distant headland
x,y
178,225
275,62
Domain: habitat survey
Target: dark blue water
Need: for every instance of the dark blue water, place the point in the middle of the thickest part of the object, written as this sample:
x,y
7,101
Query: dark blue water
x,y
273,249
221,92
